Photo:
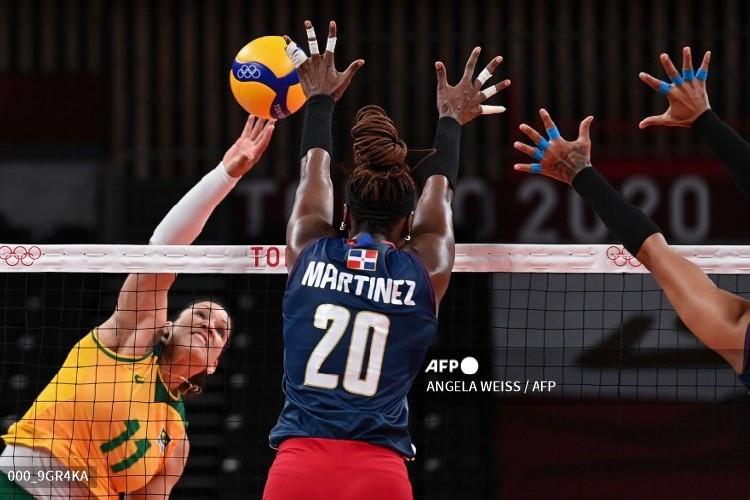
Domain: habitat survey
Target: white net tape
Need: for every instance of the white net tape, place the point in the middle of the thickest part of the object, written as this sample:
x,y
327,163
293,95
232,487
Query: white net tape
x,y
270,259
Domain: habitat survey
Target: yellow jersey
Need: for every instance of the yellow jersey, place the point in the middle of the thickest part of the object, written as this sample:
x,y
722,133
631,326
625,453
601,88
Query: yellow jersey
x,y
107,414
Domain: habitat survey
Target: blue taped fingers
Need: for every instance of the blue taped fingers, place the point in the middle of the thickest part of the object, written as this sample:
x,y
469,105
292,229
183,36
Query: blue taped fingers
x,y
664,88
553,133
538,154
542,144
701,75
677,80
536,168
688,74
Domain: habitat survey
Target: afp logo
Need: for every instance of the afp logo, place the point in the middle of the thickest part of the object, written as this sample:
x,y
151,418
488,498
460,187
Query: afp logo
x,y
468,365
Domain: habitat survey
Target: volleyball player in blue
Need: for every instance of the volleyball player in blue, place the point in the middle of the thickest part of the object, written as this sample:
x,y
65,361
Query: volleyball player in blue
x,y
360,311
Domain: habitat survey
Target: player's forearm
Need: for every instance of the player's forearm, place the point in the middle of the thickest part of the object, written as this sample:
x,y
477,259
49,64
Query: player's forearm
x,y
185,221
629,225
732,150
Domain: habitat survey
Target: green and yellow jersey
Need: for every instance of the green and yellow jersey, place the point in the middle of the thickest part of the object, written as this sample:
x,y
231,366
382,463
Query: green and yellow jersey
x,y
107,414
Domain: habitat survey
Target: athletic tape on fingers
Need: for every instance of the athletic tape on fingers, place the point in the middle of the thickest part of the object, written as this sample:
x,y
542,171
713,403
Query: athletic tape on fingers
x,y
489,92
542,144
688,74
553,133
484,76
538,154
331,44
296,54
312,40
491,110
664,88
701,75
536,168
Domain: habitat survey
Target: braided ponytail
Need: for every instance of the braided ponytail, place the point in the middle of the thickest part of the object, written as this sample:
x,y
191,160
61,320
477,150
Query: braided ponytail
x,y
380,175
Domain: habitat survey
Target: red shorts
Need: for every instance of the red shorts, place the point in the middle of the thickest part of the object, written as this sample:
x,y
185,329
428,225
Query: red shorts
x,y
335,469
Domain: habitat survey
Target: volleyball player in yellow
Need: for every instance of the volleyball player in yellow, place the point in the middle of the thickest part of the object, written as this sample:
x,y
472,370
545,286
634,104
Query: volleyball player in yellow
x,y
113,417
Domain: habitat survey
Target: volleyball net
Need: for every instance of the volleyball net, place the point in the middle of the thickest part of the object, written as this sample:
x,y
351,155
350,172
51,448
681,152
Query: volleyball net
x,y
557,369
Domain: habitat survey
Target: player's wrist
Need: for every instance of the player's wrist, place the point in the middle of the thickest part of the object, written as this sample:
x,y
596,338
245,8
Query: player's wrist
x,y
447,144
703,117
316,127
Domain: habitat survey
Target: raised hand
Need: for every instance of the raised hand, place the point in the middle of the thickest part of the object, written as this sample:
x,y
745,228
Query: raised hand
x,y
686,94
463,102
558,158
247,150
317,73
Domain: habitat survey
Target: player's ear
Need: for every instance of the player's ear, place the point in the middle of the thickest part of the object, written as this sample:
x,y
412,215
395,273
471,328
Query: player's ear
x,y
164,332
408,225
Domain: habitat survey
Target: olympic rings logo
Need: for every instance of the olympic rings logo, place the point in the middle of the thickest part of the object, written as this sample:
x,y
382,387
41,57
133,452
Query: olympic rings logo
x,y
13,256
621,258
248,72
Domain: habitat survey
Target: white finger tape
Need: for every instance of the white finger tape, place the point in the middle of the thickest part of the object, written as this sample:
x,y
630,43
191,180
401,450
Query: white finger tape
x,y
484,76
312,40
489,92
491,110
331,45
296,54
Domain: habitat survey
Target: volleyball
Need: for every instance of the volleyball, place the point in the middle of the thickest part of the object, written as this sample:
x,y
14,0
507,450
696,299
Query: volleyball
x,y
264,81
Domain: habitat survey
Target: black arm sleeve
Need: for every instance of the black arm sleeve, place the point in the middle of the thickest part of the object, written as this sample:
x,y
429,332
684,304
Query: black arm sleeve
x,y
316,127
445,160
624,220
732,150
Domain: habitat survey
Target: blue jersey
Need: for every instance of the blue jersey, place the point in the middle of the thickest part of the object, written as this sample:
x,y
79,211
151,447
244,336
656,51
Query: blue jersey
x,y
359,317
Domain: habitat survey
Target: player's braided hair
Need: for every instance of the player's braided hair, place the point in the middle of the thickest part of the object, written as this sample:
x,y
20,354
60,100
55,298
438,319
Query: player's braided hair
x,y
380,173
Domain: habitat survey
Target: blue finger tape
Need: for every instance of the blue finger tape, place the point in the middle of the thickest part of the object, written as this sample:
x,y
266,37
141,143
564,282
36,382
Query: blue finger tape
x,y
677,80
553,134
536,168
542,144
688,74
702,74
664,88
538,154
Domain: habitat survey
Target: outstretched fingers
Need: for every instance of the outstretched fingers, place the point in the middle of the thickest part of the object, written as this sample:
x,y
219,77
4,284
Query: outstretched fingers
x,y
670,69
312,39
534,152
248,130
264,137
531,133
471,63
488,92
442,79
346,78
549,125
331,42
649,80
486,73
296,54
702,73
584,129
687,65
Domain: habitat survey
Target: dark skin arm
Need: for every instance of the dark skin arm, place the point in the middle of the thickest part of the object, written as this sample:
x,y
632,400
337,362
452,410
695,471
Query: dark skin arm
x,y
312,215
432,237
715,316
